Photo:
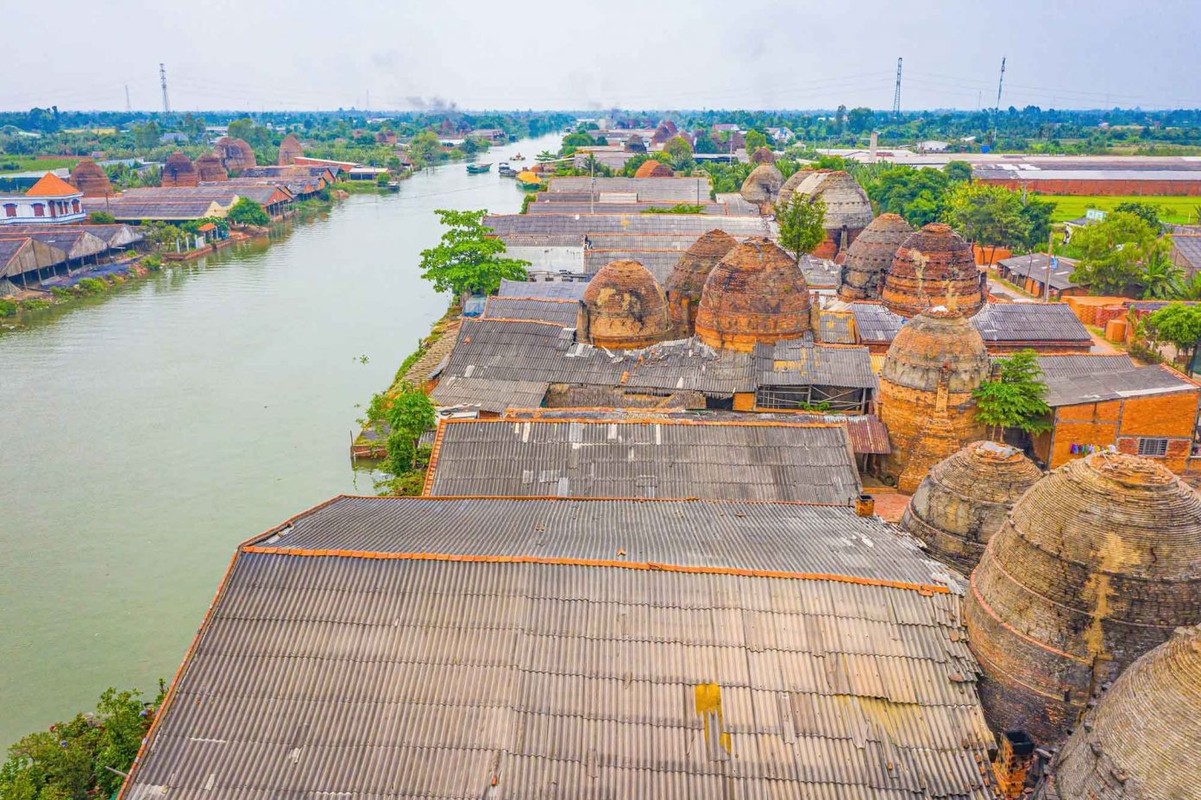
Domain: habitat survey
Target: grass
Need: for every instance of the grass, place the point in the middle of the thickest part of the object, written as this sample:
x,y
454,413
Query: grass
x,y
30,163
1180,210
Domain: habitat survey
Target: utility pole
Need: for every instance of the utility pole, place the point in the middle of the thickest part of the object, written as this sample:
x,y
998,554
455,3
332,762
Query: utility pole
x,y
896,96
996,112
128,104
162,75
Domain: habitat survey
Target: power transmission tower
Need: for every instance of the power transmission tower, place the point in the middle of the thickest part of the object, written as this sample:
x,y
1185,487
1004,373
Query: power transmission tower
x,y
896,97
996,112
128,104
162,74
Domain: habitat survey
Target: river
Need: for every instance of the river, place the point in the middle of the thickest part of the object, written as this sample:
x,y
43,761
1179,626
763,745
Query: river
x,y
145,434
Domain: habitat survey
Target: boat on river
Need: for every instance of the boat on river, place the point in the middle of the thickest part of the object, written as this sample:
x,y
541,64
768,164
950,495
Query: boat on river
x,y
476,169
505,171
517,157
529,180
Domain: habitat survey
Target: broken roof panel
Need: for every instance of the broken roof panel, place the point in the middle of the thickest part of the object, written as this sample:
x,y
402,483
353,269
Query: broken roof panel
x,y
485,394
417,647
747,460
541,309
548,290
799,362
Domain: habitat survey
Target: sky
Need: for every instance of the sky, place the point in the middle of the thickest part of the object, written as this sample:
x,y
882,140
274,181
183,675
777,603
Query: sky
x,y
547,54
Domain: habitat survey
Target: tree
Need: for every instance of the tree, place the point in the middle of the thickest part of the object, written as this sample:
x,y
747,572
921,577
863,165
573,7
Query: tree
x,y
1111,253
918,195
101,218
192,127
146,136
801,223
1179,324
958,171
1159,278
1015,396
468,258
1037,214
679,153
860,119
986,215
1145,211
404,415
248,212
425,149
755,140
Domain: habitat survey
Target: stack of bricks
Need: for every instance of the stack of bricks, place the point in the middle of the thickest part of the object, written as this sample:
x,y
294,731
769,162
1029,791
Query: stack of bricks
x,y
1096,565
755,295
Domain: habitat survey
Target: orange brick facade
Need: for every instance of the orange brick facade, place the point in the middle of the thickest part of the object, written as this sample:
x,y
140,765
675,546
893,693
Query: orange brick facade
x,y
1122,423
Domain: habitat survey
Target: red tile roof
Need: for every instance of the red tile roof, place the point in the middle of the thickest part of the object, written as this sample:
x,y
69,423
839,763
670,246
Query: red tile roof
x,y
51,185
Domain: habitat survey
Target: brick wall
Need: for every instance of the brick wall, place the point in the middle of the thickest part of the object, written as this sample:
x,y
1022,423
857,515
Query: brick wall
x,y
1122,423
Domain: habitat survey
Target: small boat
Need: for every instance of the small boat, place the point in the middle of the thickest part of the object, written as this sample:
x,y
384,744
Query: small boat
x,y
517,157
392,186
505,171
476,169
529,181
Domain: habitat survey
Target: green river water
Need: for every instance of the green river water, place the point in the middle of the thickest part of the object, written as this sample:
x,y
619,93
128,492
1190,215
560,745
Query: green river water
x,y
145,434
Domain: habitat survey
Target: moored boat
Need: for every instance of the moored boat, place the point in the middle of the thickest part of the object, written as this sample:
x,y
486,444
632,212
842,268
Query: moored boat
x,y
476,169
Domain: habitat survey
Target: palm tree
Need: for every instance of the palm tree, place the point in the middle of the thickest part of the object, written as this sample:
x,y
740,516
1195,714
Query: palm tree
x,y
1161,278
1190,289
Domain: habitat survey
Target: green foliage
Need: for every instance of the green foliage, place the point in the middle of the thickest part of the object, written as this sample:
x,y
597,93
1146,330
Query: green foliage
x,y
7,308
918,195
957,172
986,215
91,286
33,304
755,140
1178,324
153,262
101,218
70,760
801,224
146,136
60,292
1015,397
679,153
1159,276
255,135
1112,252
405,415
861,120
468,259
1147,212
678,208
425,149
248,212
725,178
1037,216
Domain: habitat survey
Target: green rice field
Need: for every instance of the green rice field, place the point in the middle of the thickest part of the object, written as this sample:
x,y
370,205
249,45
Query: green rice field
x,y
1181,210
30,164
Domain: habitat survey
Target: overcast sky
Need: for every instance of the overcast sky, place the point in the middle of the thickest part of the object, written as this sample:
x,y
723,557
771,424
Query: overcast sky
x,y
305,54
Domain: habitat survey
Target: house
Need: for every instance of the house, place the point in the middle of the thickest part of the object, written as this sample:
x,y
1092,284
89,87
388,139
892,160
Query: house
x,y
50,200
1098,401
751,459
495,647
1032,272
25,258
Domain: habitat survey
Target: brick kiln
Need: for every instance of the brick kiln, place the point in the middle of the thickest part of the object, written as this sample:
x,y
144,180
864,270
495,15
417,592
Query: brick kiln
x,y
754,295
762,187
179,171
235,154
623,308
289,150
848,210
1140,742
870,256
1097,564
653,169
208,168
91,179
933,267
687,279
964,500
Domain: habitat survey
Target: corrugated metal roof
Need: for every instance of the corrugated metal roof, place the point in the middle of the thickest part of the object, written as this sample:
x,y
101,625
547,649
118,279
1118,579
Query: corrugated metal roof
x,y
1186,252
659,263
552,290
1030,322
559,225
800,362
747,460
679,190
835,327
487,394
1070,366
397,676
1103,385
1036,266
875,323
543,309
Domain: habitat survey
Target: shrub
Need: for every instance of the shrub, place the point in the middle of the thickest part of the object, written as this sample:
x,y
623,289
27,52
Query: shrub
x,y
248,212
92,286
7,308
101,218
153,262
60,292
34,304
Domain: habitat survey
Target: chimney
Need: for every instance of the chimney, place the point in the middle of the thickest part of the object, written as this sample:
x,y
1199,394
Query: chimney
x,y
1012,764
865,505
871,148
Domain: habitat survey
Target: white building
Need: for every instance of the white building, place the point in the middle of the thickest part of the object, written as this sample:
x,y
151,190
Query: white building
x,y
51,199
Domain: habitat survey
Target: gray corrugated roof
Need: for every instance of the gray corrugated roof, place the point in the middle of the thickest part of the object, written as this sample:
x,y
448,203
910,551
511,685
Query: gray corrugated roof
x,y
402,676
875,323
559,225
1186,251
1035,266
799,362
680,190
1114,385
552,290
487,394
539,351
835,328
1070,366
1029,322
659,263
750,460
544,309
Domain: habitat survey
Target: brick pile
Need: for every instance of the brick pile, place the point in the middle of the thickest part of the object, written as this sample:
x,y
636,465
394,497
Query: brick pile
x,y
1097,564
